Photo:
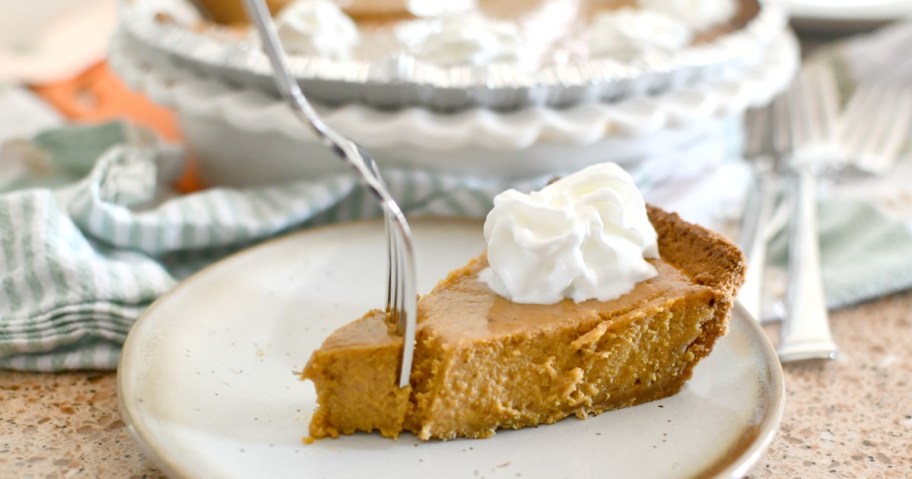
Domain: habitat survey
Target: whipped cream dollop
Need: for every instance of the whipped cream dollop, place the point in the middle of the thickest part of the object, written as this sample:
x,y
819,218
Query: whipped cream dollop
x,y
697,14
585,236
467,39
628,32
317,27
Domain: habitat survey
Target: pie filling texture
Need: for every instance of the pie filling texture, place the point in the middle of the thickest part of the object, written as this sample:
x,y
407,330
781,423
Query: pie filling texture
x,y
483,363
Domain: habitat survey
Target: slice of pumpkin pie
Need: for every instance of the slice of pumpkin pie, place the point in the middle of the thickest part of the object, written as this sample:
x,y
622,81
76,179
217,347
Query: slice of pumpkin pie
x,y
587,300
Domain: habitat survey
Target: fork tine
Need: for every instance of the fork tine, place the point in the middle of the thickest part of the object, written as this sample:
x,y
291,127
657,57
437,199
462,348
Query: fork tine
x,y
887,130
407,323
393,268
877,118
899,132
830,96
851,124
757,124
404,309
782,133
827,95
819,96
798,117
874,126
811,95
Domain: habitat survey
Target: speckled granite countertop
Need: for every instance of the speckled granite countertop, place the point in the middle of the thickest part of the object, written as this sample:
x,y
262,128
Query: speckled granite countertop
x,y
845,419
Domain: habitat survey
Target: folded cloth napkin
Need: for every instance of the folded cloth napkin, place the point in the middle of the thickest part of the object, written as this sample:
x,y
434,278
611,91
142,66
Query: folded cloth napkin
x,y
865,253
79,263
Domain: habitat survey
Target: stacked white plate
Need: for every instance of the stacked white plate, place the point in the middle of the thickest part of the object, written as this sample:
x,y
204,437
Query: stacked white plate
x,y
242,134
841,16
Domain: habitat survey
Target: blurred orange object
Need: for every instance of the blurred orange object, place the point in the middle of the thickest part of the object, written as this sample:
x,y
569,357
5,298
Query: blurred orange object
x,y
97,94
232,12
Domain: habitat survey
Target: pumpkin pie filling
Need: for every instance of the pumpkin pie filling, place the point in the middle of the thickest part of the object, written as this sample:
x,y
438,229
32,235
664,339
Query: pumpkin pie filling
x,y
483,362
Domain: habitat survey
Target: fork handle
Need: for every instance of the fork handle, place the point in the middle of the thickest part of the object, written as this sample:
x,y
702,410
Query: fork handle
x,y
806,329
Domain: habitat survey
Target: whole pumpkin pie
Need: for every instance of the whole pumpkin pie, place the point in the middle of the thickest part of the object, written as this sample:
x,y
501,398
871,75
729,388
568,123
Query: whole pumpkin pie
x,y
532,33
483,362
231,12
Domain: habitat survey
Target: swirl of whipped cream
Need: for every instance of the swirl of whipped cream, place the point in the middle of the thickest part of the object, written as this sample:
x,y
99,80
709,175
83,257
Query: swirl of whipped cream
x,y
628,32
316,27
585,236
469,39
698,14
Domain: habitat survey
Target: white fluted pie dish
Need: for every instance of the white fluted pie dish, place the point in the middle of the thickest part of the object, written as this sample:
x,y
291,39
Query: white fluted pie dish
x,y
395,77
243,136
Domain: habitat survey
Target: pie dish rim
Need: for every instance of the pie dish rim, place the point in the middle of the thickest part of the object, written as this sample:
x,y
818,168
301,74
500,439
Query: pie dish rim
x,y
402,81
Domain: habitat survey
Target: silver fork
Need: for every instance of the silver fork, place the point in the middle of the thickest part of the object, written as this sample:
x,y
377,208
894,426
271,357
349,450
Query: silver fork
x,y
758,151
765,146
874,127
401,297
812,108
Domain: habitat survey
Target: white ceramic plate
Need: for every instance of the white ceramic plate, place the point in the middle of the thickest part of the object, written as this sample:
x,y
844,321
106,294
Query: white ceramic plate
x,y
845,13
207,383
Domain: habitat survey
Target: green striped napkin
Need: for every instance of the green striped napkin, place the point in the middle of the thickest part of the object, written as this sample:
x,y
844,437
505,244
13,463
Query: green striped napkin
x,y
79,263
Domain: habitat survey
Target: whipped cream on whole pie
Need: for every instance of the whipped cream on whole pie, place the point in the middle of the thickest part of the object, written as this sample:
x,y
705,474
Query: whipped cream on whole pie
x,y
467,39
585,236
530,33
628,32
317,27
698,14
